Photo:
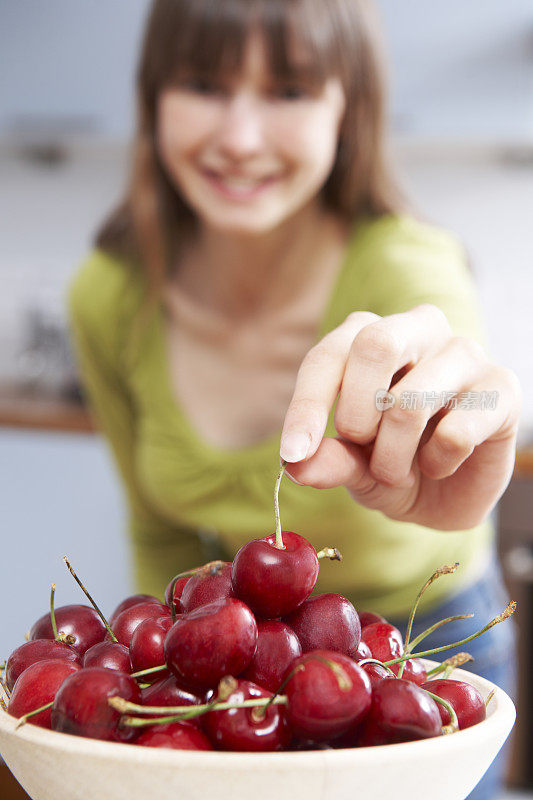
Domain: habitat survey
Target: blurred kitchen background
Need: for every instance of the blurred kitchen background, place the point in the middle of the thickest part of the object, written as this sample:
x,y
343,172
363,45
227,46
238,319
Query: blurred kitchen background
x,y
462,125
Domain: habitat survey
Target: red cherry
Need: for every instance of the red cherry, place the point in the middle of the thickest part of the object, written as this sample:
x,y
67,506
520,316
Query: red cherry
x,y
277,647
177,735
212,641
147,646
207,586
129,602
168,692
464,698
414,671
363,651
37,686
384,640
368,617
242,728
400,712
126,622
79,621
110,655
273,582
81,705
327,622
376,673
179,586
328,693
32,652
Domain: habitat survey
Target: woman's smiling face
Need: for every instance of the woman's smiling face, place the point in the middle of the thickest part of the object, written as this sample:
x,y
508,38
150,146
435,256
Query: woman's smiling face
x,y
245,152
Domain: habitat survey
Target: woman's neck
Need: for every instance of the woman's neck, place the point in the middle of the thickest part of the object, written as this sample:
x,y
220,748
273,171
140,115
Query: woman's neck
x,y
239,277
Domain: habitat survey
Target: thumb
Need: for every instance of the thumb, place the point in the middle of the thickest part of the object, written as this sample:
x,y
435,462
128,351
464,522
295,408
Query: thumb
x,y
335,463
341,463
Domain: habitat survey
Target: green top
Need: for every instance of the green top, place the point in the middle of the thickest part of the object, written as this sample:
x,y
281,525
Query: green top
x,y
190,502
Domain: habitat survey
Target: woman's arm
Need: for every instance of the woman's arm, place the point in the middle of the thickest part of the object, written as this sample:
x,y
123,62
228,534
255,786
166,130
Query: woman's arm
x,y
408,453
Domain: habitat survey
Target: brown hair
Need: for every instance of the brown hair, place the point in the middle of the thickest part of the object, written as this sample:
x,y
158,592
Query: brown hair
x,y
207,36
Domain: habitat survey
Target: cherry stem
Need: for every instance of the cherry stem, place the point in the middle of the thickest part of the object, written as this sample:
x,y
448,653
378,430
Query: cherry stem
x,y
53,613
489,698
434,627
343,680
182,712
260,713
173,612
25,717
450,664
279,537
453,725
506,613
330,552
375,661
212,567
90,599
148,671
3,686
445,570
447,673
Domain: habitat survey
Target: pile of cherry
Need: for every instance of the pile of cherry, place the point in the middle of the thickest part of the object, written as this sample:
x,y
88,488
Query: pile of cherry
x,y
239,657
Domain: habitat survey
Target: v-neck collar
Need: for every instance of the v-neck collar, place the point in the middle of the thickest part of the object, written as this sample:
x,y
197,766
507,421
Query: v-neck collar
x,y
268,445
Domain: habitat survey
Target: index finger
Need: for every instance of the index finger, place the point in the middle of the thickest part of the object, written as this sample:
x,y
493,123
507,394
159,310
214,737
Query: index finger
x,y
318,383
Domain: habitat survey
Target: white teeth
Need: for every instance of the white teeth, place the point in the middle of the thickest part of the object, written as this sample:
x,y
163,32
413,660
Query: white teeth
x,y
240,184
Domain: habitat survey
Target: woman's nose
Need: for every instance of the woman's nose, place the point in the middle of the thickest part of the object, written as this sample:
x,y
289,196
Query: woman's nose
x,y
241,129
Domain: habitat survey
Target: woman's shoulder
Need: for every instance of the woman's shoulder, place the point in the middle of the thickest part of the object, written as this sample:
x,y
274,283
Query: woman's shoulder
x,y
103,301
400,253
397,262
105,283
394,235
104,290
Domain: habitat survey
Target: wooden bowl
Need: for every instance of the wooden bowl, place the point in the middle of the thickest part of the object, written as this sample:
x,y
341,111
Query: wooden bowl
x,y
57,766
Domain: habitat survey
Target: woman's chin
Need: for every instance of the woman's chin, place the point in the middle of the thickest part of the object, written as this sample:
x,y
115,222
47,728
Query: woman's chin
x,y
243,223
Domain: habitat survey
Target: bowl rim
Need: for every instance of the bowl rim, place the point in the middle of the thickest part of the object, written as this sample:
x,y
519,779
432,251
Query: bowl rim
x,y
501,714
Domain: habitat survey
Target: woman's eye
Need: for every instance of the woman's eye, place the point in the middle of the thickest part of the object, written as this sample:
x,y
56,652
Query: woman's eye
x,y
202,86
290,92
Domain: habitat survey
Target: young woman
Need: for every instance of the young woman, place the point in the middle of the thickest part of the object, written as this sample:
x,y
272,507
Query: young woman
x,y
261,277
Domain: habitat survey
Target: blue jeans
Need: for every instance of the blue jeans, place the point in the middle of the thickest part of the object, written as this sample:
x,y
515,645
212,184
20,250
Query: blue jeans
x,y
494,652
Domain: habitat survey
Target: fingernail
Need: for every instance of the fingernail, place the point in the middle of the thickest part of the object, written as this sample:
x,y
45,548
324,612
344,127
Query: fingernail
x,y
295,446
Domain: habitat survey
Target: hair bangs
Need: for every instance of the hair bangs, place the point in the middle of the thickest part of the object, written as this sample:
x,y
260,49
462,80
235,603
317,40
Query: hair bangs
x,y
209,37
302,40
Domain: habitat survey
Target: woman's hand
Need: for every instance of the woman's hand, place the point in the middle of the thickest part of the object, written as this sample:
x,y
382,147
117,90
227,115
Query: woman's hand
x,y
441,455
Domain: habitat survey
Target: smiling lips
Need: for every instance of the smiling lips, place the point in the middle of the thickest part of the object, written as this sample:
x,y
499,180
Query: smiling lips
x,y
238,188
